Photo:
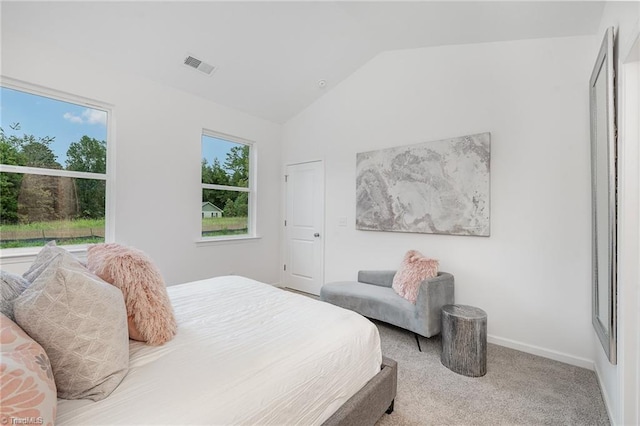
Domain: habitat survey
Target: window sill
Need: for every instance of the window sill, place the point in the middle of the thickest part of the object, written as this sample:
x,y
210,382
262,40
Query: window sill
x,y
28,254
204,242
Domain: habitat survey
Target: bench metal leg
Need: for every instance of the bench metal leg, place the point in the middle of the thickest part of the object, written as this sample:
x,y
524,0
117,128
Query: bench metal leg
x,y
418,341
390,409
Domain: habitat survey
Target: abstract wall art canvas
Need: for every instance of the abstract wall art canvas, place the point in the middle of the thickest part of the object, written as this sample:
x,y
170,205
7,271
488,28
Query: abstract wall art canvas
x,y
439,187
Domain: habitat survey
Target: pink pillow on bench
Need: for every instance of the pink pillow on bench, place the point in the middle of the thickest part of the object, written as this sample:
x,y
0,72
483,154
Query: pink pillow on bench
x,y
414,269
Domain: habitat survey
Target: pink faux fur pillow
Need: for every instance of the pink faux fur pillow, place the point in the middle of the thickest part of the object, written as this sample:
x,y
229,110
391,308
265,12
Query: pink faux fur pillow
x,y
414,269
149,310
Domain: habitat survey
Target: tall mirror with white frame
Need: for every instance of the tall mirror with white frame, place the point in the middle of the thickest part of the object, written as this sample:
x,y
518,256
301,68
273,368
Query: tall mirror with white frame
x,y
604,200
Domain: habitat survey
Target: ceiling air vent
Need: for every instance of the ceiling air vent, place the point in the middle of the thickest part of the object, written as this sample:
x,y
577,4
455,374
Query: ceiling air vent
x,y
199,65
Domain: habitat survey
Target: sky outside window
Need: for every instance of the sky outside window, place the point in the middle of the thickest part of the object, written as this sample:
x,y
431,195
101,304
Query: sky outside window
x,y
213,148
41,117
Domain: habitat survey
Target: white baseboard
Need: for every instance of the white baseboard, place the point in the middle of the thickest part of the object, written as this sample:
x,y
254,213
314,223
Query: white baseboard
x,y
546,353
605,397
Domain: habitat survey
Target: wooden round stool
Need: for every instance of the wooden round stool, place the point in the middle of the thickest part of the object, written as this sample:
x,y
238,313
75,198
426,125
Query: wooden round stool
x,y
464,340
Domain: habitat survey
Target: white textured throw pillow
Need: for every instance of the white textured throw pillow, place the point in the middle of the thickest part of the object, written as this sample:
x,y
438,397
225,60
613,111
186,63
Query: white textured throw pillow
x,y
45,255
81,322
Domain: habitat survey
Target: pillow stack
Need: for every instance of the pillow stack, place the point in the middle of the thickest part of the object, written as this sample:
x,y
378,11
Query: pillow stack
x,y
80,322
65,331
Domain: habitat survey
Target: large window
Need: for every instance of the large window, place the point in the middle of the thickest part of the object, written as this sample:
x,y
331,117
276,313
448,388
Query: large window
x,y
53,170
227,193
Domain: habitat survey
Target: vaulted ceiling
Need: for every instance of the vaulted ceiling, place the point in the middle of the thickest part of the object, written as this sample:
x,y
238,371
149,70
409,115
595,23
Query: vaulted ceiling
x,y
269,56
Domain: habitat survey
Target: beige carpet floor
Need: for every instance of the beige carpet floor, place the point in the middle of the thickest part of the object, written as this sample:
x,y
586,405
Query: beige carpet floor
x,y
518,389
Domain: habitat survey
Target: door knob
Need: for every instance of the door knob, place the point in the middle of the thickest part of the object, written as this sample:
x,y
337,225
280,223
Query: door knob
x,y
316,235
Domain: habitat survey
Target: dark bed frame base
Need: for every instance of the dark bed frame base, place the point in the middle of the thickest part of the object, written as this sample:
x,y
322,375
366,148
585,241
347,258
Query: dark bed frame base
x,y
371,402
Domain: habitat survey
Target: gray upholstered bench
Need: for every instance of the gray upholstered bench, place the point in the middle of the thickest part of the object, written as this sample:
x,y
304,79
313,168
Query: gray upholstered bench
x,y
372,296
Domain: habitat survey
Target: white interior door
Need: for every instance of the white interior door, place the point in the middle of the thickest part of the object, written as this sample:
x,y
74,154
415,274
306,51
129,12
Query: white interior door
x,y
304,227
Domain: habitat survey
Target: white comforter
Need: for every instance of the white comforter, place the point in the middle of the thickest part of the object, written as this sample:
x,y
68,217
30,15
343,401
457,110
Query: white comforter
x,y
245,353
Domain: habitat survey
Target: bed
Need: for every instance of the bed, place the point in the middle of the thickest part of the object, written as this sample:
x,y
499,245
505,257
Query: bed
x,y
250,353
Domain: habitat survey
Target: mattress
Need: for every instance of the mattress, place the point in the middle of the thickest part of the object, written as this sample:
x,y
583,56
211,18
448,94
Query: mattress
x,y
245,353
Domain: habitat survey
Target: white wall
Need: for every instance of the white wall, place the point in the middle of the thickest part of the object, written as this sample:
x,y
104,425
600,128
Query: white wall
x,y
532,275
157,136
620,383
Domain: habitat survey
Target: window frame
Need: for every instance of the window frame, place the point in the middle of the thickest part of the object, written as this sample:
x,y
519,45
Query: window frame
x,y
18,254
250,189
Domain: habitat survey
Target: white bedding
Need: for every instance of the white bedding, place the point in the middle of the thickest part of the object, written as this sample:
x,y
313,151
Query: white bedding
x,y
245,353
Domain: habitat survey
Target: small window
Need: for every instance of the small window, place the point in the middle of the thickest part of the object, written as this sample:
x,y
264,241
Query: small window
x,y
53,171
227,192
